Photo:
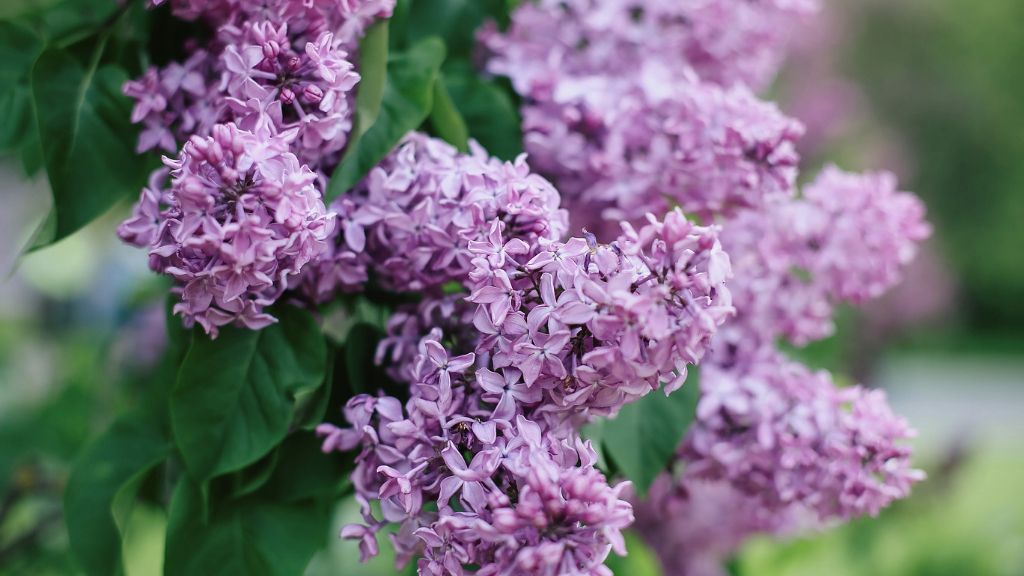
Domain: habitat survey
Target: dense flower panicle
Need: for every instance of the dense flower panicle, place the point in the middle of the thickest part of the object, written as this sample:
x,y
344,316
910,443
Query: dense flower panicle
x,y
867,232
593,326
285,62
551,334
727,42
614,115
475,488
413,218
785,435
693,527
847,239
239,221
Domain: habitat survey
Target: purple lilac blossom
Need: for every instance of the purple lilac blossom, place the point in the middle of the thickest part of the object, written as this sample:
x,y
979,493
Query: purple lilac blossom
x,y
564,332
846,239
263,109
285,62
475,488
239,220
624,123
694,527
593,326
776,431
412,220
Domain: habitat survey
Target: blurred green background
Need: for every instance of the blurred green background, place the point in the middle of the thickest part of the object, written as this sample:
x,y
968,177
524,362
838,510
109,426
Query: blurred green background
x,y
939,98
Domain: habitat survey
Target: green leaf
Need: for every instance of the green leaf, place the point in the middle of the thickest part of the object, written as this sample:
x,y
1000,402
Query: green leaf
x,y
641,440
360,367
488,109
125,453
640,559
312,406
446,120
246,537
323,478
406,103
19,48
235,396
86,137
373,71
454,21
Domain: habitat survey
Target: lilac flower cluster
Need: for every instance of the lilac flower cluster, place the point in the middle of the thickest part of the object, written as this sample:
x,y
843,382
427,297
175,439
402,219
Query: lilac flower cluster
x,y
413,218
634,107
475,488
285,63
521,336
617,107
240,219
785,435
263,110
563,332
846,239
694,527
591,327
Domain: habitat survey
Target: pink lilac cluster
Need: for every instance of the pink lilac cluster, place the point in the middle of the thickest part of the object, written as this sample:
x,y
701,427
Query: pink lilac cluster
x,y
778,432
846,239
237,224
633,107
262,110
587,327
474,487
561,332
287,63
409,225
618,112
781,446
694,528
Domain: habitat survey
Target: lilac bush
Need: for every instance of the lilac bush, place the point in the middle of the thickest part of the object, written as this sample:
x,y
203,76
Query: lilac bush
x,y
585,338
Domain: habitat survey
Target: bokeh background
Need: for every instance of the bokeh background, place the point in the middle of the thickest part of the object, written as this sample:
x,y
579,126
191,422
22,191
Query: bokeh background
x,y
931,89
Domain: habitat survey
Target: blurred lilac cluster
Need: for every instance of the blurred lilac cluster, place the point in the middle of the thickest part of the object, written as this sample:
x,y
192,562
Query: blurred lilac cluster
x,y
635,107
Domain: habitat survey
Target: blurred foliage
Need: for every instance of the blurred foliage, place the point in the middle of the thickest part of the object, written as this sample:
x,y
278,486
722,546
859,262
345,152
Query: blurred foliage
x,y
947,75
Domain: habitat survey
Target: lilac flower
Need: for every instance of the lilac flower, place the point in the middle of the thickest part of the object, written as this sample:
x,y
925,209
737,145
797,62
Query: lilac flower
x,y
785,435
621,139
528,500
241,218
847,239
427,209
283,62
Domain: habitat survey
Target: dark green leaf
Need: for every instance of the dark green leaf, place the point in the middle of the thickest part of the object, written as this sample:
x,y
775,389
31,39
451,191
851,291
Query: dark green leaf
x,y
373,72
488,109
324,476
312,406
87,139
408,98
235,396
446,120
641,440
246,537
126,452
19,48
254,477
454,21
359,355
